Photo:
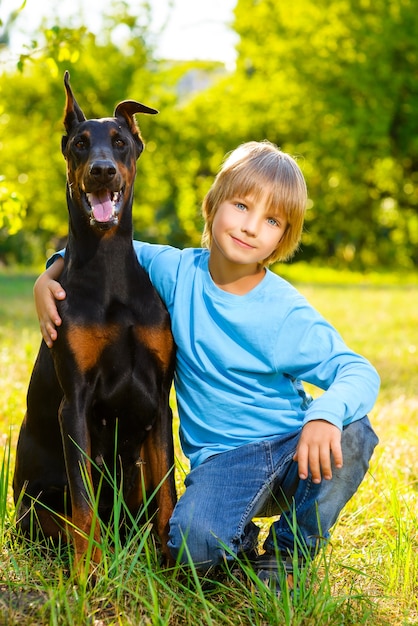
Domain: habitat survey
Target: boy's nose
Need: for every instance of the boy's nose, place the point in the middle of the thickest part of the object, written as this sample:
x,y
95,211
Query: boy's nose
x,y
250,225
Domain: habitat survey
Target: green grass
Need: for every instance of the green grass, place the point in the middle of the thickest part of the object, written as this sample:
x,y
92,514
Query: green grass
x,y
369,574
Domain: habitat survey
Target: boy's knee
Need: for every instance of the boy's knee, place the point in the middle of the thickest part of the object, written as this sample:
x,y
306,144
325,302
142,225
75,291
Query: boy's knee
x,y
196,544
359,441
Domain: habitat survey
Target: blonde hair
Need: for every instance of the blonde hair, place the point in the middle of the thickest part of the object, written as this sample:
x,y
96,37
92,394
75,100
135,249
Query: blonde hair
x,y
250,169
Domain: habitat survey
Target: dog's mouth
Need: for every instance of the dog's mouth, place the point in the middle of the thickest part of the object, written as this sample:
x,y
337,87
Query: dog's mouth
x,y
104,207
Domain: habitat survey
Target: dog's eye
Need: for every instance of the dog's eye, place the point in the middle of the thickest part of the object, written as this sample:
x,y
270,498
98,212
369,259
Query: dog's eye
x,y
81,143
118,143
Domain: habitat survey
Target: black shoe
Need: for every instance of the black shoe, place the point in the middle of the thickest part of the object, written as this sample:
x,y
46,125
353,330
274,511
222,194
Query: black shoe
x,y
274,570
243,559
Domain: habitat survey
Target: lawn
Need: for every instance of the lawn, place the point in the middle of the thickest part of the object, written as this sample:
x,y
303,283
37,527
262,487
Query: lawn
x,y
369,573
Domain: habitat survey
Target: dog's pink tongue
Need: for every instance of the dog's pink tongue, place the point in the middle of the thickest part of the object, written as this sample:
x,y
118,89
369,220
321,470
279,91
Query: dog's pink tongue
x,y
102,206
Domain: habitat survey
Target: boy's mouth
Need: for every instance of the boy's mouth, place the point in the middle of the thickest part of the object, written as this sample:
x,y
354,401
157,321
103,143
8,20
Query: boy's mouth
x,y
241,243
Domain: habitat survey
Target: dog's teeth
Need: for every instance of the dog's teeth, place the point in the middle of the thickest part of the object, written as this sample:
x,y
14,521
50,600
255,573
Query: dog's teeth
x,y
116,196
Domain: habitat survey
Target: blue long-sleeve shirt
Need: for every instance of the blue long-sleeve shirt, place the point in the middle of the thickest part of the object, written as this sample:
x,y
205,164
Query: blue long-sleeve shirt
x,y
241,358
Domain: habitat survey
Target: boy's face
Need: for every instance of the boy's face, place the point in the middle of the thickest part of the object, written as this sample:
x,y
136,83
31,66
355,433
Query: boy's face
x,y
244,231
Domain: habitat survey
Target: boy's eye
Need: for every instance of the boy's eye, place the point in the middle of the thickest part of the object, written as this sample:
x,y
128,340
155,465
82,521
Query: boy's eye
x,y
240,206
272,221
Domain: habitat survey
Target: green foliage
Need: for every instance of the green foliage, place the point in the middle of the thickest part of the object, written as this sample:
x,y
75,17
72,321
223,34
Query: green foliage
x,y
337,82
12,210
332,83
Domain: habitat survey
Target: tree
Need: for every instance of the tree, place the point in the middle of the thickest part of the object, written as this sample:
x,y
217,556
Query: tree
x,y
334,84
31,109
338,82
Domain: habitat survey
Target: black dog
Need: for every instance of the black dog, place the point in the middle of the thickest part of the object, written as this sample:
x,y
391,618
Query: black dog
x,y
98,401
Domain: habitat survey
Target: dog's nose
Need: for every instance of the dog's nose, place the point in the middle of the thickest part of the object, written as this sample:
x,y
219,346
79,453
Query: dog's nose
x,y
103,171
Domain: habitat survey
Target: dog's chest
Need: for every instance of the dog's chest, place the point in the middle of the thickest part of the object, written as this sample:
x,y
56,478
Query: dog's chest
x,y
119,336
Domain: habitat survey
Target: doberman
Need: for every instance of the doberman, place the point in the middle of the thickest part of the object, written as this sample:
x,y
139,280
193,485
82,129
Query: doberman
x,y
98,401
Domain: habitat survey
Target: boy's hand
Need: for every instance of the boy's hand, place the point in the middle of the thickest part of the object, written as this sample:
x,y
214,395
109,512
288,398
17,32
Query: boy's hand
x,y
318,441
46,291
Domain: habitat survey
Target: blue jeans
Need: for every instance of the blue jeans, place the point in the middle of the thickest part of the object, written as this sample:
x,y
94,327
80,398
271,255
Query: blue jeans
x,y
213,517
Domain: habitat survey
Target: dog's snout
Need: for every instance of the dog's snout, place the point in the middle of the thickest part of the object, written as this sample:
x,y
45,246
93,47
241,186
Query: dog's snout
x,y
103,171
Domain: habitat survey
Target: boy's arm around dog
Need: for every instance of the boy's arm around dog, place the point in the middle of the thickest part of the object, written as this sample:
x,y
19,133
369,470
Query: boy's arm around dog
x,y
46,291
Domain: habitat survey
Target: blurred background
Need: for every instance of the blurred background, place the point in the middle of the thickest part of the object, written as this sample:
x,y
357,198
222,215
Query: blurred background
x,y
335,84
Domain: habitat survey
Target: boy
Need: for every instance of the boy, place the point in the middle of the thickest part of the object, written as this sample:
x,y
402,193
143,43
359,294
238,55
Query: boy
x,y
258,445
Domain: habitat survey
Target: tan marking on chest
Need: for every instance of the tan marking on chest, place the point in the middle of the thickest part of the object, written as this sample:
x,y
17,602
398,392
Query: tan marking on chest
x,y
158,340
88,342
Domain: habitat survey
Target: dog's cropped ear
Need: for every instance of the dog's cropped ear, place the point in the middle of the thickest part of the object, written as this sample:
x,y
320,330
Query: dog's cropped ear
x,y
127,110
73,115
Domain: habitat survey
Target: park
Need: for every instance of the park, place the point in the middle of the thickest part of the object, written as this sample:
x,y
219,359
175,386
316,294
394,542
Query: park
x,y
335,85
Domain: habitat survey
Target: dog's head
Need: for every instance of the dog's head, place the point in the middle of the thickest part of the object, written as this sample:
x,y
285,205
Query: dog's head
x,y
101,157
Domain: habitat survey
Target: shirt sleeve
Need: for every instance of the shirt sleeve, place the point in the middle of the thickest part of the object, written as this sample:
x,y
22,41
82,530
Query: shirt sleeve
x,y
321,357
161,263
54,257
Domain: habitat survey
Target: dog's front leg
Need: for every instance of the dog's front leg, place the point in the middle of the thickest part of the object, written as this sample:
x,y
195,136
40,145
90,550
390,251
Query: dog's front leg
x,y
157,453
85,528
